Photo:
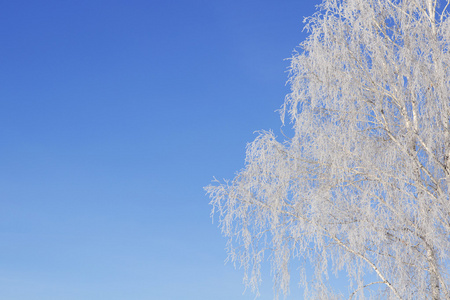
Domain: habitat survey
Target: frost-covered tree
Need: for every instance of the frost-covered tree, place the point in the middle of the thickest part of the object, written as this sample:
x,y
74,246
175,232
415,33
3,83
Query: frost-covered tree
x,y
363,184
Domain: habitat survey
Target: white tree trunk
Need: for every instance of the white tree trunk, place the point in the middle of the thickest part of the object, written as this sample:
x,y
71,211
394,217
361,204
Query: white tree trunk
x,y
431,6
434,278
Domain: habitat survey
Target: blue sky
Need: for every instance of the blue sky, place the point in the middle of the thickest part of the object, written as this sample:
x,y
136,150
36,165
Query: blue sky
x,y
113,116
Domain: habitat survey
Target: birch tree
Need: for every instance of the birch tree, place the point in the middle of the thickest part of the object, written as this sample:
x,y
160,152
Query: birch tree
x,y
362,186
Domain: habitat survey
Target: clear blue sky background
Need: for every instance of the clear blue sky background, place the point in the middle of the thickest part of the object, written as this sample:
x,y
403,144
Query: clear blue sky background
x,y
113,116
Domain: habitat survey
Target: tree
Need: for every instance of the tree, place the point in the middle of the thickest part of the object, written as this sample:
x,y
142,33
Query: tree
x,y
363,184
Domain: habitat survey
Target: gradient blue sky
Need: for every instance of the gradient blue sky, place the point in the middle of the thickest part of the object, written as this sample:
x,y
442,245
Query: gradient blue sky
x,y
113,116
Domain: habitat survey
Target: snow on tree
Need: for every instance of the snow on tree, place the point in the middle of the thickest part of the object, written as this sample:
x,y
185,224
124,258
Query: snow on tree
x,y
363,185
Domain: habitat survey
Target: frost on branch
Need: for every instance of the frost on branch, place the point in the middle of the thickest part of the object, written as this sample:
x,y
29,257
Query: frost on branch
x,y
363,185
